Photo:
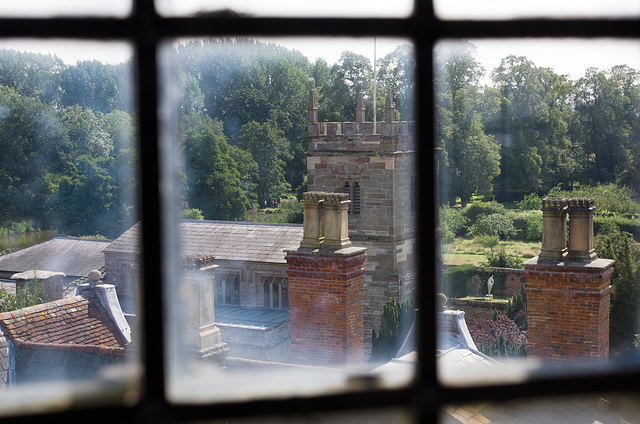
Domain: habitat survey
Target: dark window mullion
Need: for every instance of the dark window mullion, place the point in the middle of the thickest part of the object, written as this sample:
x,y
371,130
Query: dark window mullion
x,y
154,237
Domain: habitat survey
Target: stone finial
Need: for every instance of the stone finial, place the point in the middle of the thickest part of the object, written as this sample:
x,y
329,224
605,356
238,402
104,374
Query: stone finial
x,y
389,108
581,230
360,109
312,108
554,229
313,232
336,207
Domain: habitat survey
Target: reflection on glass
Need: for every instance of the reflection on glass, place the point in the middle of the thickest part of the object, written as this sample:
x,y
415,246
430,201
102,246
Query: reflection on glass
x,y
505,9
537,175
600,408
279,296
45,8
288,8
68,189
359,417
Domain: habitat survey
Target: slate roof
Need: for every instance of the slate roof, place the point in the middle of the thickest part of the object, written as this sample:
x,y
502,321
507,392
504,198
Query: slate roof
x,y
72,256
250,317
232,241
79,323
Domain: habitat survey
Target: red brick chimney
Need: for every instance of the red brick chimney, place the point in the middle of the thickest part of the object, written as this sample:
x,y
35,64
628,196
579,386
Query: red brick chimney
x,y
568,290
326,286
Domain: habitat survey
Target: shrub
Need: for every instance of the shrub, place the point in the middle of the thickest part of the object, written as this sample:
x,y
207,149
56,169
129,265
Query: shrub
x,y
528,224
609,198
499,338
603,224
192,214
531,202
452,223
517,308
497,224
31,293
395,322
625,282
457,279
477,209
502,259
489,241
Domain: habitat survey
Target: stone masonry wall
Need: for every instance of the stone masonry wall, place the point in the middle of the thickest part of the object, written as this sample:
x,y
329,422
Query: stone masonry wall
x,y
326,293
568,309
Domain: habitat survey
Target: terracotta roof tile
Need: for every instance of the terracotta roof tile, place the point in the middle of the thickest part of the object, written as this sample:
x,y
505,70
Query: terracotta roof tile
x,y
78,322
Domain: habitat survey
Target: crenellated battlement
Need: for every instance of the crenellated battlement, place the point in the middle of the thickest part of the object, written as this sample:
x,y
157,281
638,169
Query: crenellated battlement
x,y
346,136
360,135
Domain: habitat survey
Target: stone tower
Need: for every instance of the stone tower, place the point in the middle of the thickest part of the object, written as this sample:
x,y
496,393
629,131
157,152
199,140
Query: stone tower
x,y
375,167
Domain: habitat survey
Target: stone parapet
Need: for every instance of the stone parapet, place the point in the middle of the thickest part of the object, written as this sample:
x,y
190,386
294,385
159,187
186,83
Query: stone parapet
x,y
359,136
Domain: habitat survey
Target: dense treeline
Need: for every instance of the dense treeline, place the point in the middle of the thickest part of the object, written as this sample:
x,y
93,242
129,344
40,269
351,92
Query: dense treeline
x,y
533,129
67,131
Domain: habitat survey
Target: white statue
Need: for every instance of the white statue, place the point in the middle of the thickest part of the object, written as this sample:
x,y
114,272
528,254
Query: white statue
x,y
490,285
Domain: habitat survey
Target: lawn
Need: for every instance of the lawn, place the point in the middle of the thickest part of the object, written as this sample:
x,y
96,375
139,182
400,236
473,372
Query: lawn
x,y
469,251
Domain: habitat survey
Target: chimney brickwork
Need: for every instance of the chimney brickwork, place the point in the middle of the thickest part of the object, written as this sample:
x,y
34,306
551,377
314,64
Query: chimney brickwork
x,y
568,290
325,295
326,287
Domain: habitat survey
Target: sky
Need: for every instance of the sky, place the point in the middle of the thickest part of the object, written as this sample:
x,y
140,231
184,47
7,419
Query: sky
x,y
570,57
567,56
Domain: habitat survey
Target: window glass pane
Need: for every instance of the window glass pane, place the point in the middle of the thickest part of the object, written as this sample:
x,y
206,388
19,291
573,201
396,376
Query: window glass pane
x,y
68,186
46,8
597,408
287,8
538,196
505,9
258,124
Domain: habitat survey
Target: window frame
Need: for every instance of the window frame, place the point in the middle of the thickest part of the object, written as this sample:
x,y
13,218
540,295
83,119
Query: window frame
x,y
146,30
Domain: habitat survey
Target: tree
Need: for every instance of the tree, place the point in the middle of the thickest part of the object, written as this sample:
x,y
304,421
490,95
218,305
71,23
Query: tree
x,y
268,147
213,181
608,104
32,74
90,84
350,76
625,294
397,71
31,140
82,200
470,157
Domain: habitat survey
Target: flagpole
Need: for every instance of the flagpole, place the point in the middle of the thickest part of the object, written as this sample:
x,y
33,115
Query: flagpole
x,y
374,86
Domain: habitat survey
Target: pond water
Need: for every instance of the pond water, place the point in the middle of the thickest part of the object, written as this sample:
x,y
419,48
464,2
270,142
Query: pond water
x,y
19,241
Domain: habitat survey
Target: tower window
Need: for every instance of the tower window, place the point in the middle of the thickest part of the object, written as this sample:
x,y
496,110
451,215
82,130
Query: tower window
x,y
352,188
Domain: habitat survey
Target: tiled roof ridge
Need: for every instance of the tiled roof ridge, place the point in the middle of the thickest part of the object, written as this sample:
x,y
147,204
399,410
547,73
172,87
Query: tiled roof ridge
x,y
80,238
248,223
91,349
28,325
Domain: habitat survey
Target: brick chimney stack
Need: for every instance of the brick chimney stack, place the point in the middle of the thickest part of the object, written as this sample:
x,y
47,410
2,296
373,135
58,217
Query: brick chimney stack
x,y
568,290
326,287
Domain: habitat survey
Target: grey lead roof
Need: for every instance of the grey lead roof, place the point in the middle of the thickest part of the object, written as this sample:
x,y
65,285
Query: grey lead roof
x,y
232,241
72,256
